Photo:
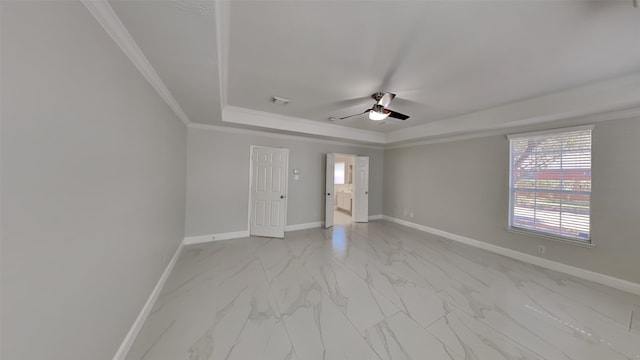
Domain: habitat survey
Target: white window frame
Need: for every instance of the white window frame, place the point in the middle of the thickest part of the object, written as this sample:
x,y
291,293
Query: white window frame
x,y
542,234
344,173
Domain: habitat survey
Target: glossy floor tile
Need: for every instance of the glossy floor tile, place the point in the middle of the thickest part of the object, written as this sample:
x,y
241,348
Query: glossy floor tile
x,y
379,291
341,217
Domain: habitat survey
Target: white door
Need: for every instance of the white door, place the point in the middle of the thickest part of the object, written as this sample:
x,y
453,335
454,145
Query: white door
x,y
269,169
361,190
328,191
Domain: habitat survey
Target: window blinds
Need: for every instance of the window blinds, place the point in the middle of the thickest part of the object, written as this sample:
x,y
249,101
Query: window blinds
x,y
550,185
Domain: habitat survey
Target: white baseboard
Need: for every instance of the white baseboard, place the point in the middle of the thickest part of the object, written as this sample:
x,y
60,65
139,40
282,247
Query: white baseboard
x,y
190,240
311,225
599,278
317,224
122,352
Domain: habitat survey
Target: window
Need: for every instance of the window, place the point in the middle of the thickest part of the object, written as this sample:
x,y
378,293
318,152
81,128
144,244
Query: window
x,y
338,174
550,183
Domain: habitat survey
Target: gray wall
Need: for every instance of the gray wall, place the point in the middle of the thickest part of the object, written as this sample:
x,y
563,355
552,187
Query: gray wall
x,y
463,187
93,185
218,179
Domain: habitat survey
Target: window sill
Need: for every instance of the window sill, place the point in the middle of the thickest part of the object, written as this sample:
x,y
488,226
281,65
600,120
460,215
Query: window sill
x,y
551,237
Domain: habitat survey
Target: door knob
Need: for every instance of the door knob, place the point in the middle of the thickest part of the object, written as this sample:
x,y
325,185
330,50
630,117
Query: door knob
x,y
328,194
366,193
282,196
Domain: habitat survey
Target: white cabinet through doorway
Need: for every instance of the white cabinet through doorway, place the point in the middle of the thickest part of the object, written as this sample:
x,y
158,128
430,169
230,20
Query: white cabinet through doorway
x,y
344,201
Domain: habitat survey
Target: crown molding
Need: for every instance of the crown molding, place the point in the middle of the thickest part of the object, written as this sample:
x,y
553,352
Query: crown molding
x,y
108,19
239,115
223,17
611,99
597,98
439,140
579,120
266,120
595,102
234,130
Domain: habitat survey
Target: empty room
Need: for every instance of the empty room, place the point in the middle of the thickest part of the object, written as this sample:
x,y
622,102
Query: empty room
x,y
280,180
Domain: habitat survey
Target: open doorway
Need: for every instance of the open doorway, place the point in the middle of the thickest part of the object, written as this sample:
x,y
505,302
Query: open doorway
x,y
343,188
346,189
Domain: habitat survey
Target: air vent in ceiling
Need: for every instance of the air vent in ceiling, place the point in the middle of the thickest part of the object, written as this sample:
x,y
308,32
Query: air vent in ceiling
x,y
280,100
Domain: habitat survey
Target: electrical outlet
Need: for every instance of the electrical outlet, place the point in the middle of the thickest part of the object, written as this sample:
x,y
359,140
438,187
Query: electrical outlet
x,y
411,214
541,249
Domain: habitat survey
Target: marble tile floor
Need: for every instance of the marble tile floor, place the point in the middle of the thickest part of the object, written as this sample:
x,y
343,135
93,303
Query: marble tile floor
x,y
378,291
341,217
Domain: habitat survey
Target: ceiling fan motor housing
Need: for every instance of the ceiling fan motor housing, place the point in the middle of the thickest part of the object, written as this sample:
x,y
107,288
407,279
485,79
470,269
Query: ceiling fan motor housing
x,y
379,109
383,99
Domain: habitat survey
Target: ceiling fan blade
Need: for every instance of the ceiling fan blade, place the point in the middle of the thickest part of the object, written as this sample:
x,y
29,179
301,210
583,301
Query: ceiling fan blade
x,y
402,49
397,115
386,99
350,116
343,104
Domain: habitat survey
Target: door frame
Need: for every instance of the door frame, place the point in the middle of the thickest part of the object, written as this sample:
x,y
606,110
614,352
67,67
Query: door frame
x,y
362,196
330,168
286,197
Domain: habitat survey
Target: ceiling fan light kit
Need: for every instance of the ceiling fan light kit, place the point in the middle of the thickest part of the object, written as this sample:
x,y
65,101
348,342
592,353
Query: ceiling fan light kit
x,y
379,110
378,113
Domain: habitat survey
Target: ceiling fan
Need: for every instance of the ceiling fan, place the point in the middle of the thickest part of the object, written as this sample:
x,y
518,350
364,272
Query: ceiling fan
x,y
379,110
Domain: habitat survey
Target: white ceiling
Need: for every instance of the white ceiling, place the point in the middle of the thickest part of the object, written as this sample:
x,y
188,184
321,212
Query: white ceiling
x,y
444,59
